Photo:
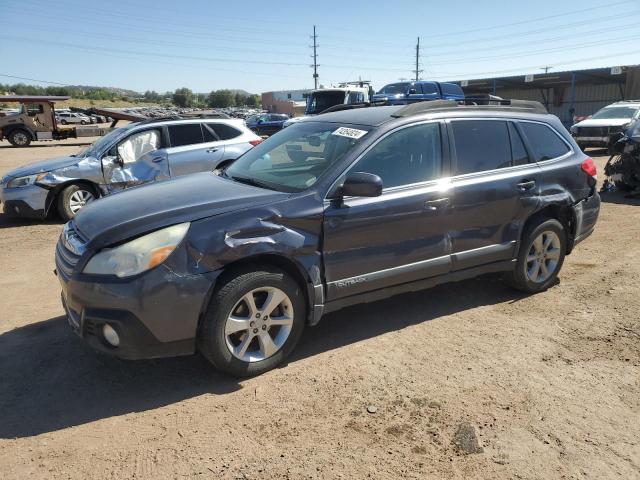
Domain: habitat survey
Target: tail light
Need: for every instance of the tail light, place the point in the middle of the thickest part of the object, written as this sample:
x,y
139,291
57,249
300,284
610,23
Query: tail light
x,y
255,143
589,167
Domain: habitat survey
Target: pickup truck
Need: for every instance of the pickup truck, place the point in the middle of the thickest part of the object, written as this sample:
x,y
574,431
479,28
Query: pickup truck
x,y
403,93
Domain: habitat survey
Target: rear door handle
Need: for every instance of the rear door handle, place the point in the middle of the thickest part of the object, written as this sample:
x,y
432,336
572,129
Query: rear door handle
x,y
211,150
157,159
526,185
437,204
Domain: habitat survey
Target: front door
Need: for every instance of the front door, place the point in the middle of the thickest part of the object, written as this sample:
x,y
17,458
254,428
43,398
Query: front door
x,y
495,189
139,158
400,236
194,148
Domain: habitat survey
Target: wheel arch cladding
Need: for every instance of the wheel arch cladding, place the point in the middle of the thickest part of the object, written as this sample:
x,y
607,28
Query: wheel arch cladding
x,y
561,211
56,191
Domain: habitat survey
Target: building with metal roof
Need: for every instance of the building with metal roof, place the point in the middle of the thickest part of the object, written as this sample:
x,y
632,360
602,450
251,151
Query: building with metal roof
x,y
569,94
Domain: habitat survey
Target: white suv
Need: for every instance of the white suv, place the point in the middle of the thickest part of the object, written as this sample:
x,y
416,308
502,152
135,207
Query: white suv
x,y
72,117
605,126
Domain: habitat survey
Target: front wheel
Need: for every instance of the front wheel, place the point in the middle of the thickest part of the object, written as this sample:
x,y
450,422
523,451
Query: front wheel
x,y
72,199
19,138
253,322
540,258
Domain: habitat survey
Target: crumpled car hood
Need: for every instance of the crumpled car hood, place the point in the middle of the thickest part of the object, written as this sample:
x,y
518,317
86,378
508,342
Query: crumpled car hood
x,y
604,122
43,166
146,208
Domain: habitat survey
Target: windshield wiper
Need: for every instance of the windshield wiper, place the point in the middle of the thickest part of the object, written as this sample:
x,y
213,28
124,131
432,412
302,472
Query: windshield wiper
x,y
250,181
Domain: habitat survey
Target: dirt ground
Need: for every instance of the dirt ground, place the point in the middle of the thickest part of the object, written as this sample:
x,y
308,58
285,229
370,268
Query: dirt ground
x,y
466,380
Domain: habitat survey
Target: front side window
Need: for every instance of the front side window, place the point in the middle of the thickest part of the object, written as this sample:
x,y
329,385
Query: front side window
x,y
481,145
410,155
294,159
34,109
546,144
185,134
429,88
138,145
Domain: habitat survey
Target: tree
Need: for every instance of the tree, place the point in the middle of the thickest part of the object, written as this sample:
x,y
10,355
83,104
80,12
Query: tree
x,y
252,101
240,99
221,99
151,96
183,97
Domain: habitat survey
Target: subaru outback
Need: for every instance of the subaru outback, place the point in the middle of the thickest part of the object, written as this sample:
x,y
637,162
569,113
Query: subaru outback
x,y
338,209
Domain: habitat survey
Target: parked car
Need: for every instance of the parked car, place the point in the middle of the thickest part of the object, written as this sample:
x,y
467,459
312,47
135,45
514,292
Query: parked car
x,y
65,118
336,210
402,93
139,153
267,124
605,127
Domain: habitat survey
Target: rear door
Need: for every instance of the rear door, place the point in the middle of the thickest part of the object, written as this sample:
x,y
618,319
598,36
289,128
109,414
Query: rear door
x,y
193,149
139,158
495,189
400,236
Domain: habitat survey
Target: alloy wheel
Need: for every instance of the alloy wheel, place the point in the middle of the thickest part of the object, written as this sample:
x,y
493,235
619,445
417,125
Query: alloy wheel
x,y
79,199
543,257
259,324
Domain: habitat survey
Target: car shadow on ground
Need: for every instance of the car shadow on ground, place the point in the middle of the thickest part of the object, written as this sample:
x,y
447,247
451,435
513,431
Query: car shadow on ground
x,y
10,221
50,380
620,198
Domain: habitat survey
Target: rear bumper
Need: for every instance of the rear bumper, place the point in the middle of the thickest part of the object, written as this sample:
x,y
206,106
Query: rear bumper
x,y
586,215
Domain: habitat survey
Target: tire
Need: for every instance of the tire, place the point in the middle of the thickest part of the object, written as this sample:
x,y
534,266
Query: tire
x,y
82,122
19,138
622,186
219,334
63,122
73,198
537,268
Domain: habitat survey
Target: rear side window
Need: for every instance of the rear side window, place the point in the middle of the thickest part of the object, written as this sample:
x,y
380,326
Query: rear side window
x,y
185,134
545,143
429,88
451,89
225,132
208,133
410,155
518,152
481,145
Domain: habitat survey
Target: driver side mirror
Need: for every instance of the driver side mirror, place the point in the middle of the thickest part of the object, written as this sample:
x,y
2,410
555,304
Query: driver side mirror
x,y
361,184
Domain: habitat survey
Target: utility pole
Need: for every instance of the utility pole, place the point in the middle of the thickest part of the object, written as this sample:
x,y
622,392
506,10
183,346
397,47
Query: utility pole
x,y
546,69
417,71
315,58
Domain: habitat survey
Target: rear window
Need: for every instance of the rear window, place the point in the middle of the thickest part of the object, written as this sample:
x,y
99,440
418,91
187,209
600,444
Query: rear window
x,y
185,134
545,143
481,145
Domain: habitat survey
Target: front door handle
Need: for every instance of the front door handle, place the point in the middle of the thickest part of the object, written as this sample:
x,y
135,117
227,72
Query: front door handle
x,y
437,204
526,185
211,150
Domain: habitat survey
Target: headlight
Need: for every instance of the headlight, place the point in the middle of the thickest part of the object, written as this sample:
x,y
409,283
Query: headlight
x,y
24,181
138,255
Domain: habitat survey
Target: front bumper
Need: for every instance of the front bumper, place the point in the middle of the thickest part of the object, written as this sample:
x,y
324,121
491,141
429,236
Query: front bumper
x,y
155,314
29,201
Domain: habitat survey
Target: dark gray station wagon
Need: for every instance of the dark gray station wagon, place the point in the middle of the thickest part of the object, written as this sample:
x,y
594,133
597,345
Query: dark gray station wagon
x,y
340,209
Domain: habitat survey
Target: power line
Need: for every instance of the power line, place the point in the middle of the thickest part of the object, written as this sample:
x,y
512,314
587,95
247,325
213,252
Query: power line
x,y
34,80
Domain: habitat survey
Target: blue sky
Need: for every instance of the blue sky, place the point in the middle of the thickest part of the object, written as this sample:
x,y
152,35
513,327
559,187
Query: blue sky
x,y
260,46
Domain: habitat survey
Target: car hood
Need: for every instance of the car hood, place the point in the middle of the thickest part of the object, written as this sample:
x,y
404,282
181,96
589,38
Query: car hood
x,y
185,199
43,166
603,122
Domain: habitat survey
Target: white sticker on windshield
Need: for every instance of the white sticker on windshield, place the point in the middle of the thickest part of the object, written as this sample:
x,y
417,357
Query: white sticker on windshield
x,y
350,132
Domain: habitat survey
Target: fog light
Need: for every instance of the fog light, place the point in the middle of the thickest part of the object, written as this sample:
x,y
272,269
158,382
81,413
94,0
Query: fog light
x,y
110,335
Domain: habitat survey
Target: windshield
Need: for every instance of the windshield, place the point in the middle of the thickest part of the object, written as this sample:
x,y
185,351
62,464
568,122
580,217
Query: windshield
x,y
616,112
99,145
320,101
295,158
394,88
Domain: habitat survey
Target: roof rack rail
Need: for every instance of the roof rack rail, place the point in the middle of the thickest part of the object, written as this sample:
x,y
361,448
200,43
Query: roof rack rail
x,y
351,106
489,102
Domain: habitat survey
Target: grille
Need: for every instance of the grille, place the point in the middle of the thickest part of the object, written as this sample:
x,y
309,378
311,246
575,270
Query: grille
x,y
597,131
68,250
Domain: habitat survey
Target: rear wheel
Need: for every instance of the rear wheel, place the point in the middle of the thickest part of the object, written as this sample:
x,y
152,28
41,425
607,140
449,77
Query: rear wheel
x,y
253,322
540,258
63,122
72,199
19,138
